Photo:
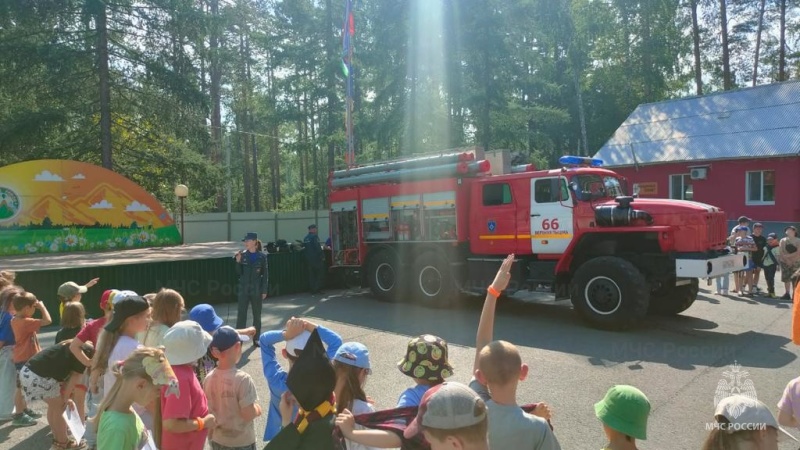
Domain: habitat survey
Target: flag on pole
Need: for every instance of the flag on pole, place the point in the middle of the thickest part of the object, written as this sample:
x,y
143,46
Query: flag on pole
x,y
348,31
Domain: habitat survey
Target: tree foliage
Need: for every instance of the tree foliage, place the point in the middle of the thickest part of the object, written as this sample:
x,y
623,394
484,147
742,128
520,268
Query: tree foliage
x,y
195,84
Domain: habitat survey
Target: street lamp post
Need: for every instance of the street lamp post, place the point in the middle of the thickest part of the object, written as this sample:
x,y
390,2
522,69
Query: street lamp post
x,y
181,191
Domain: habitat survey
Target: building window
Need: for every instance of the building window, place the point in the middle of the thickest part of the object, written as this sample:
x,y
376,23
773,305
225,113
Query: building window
x,y
761,187
496,194
680,187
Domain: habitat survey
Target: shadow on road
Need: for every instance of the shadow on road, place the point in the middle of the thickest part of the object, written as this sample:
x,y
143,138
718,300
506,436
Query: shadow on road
x,y
681,342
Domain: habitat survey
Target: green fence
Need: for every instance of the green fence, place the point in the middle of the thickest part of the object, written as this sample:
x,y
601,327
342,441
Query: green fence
x,y
211,281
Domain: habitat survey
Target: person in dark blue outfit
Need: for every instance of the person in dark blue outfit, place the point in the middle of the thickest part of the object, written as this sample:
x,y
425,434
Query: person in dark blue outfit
x,y
251,267
314,257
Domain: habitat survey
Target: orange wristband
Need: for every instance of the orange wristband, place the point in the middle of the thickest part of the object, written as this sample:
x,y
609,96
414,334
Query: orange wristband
x,y
493,292
200,424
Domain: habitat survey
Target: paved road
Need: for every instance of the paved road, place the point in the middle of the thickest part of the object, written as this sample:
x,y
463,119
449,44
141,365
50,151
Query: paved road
x,y
676,361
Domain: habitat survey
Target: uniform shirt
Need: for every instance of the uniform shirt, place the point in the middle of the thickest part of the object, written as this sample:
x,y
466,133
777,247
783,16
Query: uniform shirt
x,y
25,329
190,404
312,246
228,392
276,376
511,427
6,333
253,272
56,362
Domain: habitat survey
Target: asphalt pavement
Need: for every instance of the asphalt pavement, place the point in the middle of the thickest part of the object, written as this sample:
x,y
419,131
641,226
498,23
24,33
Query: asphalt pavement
x,y
678,361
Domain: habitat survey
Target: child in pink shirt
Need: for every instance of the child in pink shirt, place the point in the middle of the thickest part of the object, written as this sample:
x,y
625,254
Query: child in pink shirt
x,y
185,420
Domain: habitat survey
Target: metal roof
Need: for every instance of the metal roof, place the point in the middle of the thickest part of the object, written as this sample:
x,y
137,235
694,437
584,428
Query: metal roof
x,y
761,121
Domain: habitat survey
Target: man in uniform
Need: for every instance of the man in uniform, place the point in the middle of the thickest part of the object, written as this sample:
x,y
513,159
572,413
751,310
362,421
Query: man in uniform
x,y
314,257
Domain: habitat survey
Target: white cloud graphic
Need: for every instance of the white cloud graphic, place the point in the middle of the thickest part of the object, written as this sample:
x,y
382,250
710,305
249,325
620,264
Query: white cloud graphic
x,y
137,207
47,176
79,176
104,204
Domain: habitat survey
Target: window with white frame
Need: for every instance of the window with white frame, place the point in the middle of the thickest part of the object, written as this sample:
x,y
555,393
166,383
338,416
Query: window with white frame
x,y
760,187
680,187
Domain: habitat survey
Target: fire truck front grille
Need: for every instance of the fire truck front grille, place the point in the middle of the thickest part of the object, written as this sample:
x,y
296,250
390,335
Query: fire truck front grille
x,y
717,230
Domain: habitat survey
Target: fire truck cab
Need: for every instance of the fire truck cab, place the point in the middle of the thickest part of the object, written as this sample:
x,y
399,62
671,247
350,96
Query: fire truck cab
x,y
429,229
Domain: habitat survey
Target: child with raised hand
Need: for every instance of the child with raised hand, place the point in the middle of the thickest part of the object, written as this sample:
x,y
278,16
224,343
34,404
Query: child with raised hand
x,y
52,375
624,411
139,380
186,420
231,393
25,328
73,319
311,382
72,292
296,335
498,369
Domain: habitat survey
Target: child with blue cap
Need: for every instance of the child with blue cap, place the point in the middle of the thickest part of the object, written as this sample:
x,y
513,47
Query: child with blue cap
x,y
352,368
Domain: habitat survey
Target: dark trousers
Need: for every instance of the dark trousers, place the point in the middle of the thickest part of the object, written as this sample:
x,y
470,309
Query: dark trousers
x,y
769,275
248,298
314,274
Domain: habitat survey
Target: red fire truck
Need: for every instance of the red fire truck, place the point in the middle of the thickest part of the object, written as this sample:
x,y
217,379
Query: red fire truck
x,y
428,229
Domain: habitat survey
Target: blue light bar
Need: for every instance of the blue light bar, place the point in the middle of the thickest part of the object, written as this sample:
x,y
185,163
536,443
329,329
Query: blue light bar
x,y
580,161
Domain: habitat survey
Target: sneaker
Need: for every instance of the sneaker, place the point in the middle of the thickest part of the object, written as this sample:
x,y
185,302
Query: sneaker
x,y
772,295
724,292
786,297
33,413
23,420
717,293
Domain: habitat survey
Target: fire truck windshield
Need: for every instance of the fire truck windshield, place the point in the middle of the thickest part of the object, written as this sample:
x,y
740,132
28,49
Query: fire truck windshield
x,y
589,187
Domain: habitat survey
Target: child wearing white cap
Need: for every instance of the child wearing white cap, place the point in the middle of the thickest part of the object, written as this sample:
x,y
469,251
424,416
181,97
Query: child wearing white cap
x,y
185,419
296,336
743,422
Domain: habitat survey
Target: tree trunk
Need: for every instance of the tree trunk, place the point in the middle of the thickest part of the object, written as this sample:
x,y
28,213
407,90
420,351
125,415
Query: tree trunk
x,y
758,39
727,82
215,74
698,68
105,84
250,124
581,112
782,43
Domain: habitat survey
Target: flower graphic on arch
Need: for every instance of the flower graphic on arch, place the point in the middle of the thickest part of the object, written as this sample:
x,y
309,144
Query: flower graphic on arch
x,y
54,247
81,241
39,244
71,240
30,248
129,242
144,236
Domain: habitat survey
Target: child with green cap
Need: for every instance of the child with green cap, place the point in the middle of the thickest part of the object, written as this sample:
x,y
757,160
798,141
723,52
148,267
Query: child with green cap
x,y
623,412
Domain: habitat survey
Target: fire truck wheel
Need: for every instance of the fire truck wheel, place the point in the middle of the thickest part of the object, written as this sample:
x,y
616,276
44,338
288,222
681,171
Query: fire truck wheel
x,y
433,283
672,300
610,293
382,275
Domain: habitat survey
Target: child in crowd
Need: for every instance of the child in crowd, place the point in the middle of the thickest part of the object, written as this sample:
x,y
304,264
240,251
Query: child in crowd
x,y
231,393
296,335
742,422
8,373
352,366
185,420
167,307
73,319
451,415
26,345
770,262
498,369
623,412
72,292
311,381
52,375
138,380
427,363
745,245
207,317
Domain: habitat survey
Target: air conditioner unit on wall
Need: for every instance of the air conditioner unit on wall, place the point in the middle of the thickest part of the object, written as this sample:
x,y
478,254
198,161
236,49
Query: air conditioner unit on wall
x,y
698,173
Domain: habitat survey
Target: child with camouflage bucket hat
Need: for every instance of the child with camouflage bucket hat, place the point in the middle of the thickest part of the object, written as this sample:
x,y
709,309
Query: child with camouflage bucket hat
x,y
426,362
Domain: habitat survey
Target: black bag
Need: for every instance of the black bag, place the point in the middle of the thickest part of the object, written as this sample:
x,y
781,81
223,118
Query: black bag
x,y
791,248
